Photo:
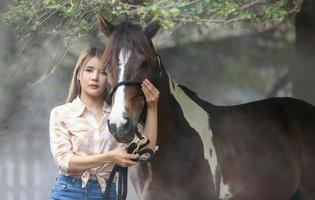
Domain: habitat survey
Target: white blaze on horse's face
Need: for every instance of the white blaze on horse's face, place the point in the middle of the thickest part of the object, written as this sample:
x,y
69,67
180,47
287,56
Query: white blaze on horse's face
x,y
118,108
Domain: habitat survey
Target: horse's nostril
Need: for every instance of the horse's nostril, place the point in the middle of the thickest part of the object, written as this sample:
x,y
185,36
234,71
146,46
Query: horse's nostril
x,y
125,115
113,128
127,122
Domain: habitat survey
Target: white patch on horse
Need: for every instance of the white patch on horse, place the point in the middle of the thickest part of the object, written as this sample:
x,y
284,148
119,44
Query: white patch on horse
x,y
198,119
118,108
225,193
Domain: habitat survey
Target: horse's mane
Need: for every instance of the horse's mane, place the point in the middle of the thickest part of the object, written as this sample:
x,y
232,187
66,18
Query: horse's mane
x,y
193,95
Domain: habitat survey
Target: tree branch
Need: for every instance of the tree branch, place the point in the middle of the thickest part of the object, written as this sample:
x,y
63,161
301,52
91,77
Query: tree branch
x,y
280,83
245,6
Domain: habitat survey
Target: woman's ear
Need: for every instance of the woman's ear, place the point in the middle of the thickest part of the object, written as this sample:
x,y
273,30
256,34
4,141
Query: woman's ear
x,y
78,79
105,26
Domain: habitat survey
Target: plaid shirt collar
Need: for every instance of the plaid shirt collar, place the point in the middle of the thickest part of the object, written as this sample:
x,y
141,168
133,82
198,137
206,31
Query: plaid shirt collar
x,y
79,107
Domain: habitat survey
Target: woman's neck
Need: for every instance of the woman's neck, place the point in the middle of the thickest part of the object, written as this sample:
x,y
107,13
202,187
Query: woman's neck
x,y
92,103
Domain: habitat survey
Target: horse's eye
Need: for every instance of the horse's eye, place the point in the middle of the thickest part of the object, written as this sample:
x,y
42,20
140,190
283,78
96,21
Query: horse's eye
x,y
144,64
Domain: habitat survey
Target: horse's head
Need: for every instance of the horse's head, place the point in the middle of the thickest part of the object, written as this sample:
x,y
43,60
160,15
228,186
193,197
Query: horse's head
x,y
129,58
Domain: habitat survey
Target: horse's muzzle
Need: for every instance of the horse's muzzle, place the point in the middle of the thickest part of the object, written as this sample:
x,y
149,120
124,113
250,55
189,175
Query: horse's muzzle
x,y
124,133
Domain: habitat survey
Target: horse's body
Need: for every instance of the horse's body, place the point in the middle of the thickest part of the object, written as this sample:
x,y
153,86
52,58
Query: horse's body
x,y
262,150
265,150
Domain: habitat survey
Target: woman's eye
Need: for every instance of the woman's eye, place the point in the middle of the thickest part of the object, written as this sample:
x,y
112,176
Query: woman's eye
x,y
88,70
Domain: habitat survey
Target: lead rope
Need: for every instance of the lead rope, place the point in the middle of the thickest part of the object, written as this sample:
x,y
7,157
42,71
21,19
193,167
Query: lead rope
x,y
134,148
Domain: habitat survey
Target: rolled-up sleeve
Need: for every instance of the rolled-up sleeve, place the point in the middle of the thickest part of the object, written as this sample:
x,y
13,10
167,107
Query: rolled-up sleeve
x,y
60,142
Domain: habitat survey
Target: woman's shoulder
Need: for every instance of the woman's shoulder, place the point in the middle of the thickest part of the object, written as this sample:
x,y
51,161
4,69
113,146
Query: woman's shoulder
x,y
63,109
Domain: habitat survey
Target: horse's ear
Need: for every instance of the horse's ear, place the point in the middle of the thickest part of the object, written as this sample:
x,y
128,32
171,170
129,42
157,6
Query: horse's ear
x,y
152,29
106,27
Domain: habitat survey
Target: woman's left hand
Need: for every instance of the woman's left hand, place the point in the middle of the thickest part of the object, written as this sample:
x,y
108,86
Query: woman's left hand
x,y
151,93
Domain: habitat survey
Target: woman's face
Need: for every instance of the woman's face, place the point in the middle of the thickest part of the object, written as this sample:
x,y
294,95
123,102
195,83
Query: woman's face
x,y
92,78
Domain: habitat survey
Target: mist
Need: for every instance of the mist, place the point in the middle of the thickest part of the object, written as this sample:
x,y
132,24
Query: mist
x,y
225,66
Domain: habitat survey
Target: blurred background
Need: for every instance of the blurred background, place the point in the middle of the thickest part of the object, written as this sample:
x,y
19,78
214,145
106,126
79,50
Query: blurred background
x,y
229,52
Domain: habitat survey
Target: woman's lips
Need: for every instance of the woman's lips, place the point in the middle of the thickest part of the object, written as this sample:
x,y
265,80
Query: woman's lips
x,y
93,86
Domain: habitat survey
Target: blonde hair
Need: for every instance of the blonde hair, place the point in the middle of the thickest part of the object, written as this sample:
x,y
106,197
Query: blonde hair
x,y
75,86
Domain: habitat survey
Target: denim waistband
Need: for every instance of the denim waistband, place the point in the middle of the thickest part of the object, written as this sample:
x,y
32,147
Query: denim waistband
x,y
71,179
72,187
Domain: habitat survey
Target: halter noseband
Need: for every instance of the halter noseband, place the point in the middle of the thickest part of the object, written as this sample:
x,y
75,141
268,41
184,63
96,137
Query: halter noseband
x,y
128,82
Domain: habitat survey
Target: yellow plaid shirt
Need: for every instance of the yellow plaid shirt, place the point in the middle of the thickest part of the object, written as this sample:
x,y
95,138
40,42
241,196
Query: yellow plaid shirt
x,y
75,131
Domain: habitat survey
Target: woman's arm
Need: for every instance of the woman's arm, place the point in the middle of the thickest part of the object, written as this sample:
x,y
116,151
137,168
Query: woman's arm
x,y
152,96
119,156
82,163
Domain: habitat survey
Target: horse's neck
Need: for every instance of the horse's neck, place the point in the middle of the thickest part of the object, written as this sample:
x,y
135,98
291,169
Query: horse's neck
x,y
179,109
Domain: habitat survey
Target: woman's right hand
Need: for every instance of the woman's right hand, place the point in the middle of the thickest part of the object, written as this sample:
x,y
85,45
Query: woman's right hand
x,y
122,158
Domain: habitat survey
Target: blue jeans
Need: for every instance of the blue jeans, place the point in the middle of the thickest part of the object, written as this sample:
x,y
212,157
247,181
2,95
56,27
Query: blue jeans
x,y
69,188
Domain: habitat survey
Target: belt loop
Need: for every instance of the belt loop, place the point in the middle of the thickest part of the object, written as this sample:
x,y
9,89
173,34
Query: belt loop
x,y
73,180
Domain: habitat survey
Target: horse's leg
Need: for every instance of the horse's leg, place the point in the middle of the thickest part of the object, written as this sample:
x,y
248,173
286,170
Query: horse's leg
x,y
297,195
301,194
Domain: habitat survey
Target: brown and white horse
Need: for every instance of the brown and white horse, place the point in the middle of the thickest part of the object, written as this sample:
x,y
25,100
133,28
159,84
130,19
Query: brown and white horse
x,y
263,150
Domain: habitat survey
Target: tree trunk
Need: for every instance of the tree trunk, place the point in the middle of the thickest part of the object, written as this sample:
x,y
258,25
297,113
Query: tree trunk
x,y
303,73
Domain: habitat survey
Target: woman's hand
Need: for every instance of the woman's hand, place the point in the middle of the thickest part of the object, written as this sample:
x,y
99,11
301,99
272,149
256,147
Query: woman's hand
x,y
151,94
122,158
152,97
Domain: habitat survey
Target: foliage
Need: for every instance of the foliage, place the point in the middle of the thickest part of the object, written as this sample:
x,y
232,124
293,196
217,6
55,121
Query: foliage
x,y
72,18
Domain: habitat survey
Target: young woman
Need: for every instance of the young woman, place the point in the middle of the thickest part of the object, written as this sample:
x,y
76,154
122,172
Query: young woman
x,y
82,147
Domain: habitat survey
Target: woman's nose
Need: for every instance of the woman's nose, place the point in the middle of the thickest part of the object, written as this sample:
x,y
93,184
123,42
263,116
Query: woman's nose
x,y
95,76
